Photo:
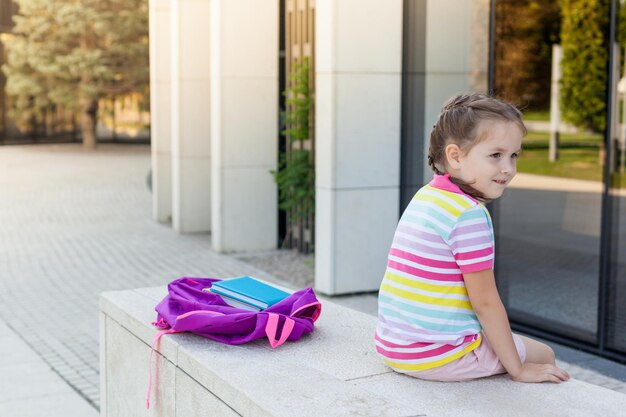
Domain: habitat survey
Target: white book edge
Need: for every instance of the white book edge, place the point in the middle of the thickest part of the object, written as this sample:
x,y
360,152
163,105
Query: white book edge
x,y
233,302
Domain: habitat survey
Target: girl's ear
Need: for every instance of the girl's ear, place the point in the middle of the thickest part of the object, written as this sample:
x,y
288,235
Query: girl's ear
x,y
453,156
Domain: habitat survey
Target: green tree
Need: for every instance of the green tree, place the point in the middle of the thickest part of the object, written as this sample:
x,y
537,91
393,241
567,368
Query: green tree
x,y
525,32
72,53
584,38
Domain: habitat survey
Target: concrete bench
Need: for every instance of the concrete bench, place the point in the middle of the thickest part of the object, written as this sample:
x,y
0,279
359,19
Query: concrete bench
x,y
333,372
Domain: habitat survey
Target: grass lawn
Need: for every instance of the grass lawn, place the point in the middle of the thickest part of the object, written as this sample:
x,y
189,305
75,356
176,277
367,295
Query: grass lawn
x,y
579,157
540,139
542,116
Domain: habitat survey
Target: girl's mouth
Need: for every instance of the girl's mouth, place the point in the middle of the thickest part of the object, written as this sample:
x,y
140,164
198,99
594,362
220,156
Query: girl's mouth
x,y
501,182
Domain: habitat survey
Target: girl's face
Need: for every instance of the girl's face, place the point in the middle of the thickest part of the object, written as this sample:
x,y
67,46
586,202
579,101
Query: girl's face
x,y
491,164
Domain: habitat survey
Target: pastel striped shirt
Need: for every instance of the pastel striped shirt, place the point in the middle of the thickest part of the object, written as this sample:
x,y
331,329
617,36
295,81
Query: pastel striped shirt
x,y
425,318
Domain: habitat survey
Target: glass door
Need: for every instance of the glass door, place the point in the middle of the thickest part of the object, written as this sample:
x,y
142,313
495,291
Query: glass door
x,y
616,281
549,221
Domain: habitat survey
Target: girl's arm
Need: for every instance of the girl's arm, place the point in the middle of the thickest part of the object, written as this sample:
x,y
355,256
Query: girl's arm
x,y
483,294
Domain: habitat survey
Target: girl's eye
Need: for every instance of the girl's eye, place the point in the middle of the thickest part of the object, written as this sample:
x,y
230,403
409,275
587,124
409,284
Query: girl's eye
x,y
515,156
496,155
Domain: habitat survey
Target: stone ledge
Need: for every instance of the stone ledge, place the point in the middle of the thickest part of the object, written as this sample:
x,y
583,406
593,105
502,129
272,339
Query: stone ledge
x,y
333,372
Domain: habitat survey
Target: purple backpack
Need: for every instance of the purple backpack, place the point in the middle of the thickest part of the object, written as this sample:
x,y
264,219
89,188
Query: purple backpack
x,y
187,308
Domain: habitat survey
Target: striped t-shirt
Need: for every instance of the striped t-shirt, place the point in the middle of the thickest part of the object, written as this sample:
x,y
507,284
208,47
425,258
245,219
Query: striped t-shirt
x,y
425,318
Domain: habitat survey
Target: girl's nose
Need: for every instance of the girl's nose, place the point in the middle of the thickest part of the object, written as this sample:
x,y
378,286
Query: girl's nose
x,y
508,167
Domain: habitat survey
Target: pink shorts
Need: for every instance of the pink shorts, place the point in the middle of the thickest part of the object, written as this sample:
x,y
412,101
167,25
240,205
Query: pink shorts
x,y
479,363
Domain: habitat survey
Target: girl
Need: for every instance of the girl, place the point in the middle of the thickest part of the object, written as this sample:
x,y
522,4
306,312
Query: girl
x,y
440,316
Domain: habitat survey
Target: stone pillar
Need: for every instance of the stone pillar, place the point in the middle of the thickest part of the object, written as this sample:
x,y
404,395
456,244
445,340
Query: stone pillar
x,y
190,115
160,114
358,93
244,123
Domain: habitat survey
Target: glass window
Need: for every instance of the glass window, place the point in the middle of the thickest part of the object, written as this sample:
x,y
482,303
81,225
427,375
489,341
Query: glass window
x,y
549,220
617,278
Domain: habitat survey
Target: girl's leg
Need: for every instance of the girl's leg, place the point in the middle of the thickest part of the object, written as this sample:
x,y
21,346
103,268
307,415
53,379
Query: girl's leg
x,y
537,352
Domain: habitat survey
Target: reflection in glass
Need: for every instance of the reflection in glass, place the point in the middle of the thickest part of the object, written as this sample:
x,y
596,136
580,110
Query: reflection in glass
x,y
617,277
549,221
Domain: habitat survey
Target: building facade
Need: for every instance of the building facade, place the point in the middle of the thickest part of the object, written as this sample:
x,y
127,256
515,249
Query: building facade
x,y
215,112
382,71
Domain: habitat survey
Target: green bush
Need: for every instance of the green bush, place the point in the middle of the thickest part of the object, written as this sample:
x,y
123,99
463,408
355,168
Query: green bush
x,y
295,176
584,33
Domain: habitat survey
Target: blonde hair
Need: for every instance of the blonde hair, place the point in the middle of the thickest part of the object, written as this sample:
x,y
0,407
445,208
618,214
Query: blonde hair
x,y
459,123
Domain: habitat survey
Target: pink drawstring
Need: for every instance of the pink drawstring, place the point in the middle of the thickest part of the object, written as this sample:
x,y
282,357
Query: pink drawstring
x,y
157,337
161,324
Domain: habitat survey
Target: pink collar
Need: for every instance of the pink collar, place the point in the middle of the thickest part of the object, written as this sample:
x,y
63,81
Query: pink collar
x,y
443,183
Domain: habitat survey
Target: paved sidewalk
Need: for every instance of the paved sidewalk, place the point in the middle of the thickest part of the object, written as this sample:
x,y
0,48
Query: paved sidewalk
x,y
74,224
29,387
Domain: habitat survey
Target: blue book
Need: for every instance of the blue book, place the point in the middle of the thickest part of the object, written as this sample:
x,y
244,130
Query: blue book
x,y
238,304
250,291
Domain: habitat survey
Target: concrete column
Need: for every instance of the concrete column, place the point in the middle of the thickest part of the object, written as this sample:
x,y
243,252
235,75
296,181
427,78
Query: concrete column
x,y
190,112
160,114
358,93
244,123
455,55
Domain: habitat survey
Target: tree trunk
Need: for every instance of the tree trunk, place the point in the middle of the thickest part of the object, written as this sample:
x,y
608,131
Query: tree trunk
x,y
88,123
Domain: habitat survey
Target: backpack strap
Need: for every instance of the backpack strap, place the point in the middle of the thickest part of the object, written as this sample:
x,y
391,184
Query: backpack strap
x,y
157,338
161,324
271,328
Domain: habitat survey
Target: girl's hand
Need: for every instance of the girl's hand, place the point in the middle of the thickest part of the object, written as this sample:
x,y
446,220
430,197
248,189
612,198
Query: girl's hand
x,y
541,372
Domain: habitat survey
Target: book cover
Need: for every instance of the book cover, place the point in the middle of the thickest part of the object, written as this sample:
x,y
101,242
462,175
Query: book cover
x,y
250,291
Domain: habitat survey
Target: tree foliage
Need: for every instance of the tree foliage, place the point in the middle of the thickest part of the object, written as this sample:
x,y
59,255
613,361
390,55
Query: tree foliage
x,y
584,38
621,30
525,32
72,53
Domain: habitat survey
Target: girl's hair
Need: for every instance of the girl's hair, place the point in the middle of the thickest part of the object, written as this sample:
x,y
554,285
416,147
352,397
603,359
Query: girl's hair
x,y
459,123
